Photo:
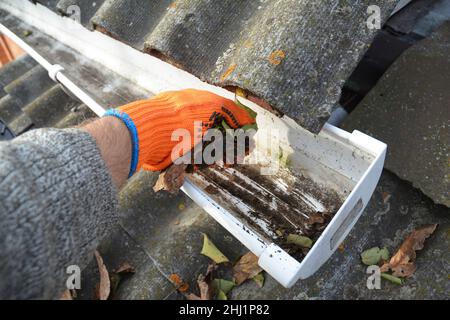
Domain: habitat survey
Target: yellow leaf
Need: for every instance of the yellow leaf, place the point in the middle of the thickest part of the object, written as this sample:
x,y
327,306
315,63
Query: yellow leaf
x,y
259,279
298,240
221,295
211,251
241,92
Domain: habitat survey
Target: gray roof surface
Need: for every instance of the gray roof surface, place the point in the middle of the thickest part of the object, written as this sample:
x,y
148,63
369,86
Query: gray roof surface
x,y
296,55
29,99
160,234
409,109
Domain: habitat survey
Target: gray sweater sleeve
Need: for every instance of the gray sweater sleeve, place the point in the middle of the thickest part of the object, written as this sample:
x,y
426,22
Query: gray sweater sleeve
x,y
57,201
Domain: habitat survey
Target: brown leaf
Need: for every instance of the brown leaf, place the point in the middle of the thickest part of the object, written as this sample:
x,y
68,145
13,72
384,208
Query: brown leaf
x,y
67,295
247,267
172,179
316,218
402,263
179,283
192,297
104,287
204,290
386,196
125,268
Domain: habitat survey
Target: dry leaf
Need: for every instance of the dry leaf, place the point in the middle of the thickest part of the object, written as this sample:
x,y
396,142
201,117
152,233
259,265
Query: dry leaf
x,y
386,196
402,263
316,218
204,290
172,179
125,268
179,283
211,251
247,267
67,295
104,287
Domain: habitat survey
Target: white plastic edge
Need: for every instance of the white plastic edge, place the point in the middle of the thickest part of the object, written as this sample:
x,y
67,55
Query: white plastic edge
x,y
150,72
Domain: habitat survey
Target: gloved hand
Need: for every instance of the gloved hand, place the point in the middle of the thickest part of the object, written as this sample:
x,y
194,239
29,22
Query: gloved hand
x,y
151,123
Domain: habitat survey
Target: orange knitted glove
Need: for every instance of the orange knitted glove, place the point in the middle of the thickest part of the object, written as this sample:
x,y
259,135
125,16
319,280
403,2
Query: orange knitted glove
x,y
151,123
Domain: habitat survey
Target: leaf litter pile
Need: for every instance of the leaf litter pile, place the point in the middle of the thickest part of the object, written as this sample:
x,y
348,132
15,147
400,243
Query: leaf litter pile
x,y
402,263
108,282
221,275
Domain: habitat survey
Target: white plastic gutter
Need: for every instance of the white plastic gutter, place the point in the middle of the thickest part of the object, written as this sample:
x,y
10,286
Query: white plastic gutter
x,y
352,161
55,72
233,225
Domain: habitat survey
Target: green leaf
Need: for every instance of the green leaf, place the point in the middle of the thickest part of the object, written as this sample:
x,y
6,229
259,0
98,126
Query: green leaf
x,y
391,278
222,285
225,125
221,296
298,240
384,254
211,251
250,127
251,113
259,279
373,256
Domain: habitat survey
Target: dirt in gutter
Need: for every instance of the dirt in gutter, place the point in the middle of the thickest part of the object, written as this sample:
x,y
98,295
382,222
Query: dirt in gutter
x,y
274,206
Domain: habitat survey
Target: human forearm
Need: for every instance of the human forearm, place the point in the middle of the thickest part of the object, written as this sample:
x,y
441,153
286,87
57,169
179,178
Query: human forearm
x,y
113,140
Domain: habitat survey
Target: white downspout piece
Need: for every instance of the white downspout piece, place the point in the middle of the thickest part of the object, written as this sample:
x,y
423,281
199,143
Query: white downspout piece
x,y
55,72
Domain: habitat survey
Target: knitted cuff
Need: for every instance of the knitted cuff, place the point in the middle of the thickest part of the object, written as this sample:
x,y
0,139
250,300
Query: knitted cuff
x,y
133,133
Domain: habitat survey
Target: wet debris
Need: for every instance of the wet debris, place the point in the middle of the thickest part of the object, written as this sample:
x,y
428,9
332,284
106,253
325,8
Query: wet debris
x,y
275,207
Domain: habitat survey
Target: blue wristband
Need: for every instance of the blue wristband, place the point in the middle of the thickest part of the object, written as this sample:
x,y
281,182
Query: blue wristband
x,y
133,133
